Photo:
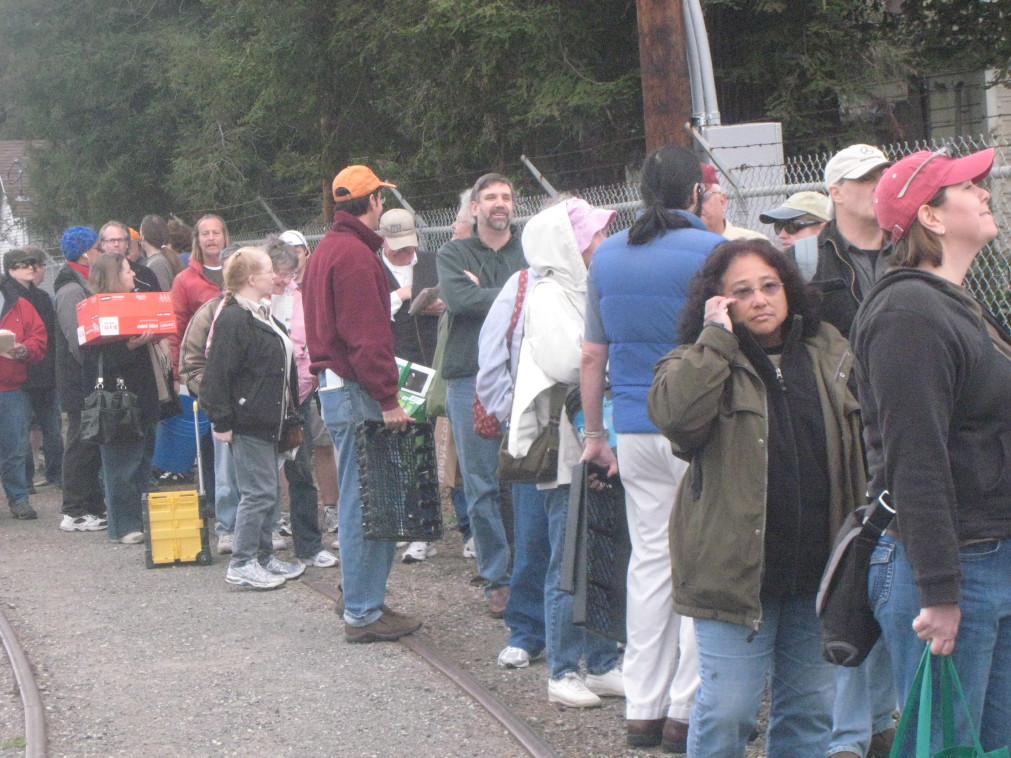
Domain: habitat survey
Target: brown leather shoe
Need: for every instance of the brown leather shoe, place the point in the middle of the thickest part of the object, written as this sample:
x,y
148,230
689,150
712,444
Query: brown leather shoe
x,y
386,628
644,732
675,736
497,599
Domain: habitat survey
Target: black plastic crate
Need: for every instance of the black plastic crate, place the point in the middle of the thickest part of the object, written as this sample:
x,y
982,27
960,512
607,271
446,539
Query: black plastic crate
x,y
608,550
399,484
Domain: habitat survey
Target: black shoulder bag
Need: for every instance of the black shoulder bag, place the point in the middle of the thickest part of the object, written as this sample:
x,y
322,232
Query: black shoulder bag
x,y
110,416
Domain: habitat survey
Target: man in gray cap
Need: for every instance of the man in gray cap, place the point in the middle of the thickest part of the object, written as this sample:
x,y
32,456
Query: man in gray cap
x,y
803,214
851,250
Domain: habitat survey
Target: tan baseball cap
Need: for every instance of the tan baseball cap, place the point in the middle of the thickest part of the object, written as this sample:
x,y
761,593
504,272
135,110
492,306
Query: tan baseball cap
x,y
397,228
797,205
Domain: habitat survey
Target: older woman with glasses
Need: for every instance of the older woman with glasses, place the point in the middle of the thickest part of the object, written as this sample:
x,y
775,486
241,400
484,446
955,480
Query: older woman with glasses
x,y
934,379
756,399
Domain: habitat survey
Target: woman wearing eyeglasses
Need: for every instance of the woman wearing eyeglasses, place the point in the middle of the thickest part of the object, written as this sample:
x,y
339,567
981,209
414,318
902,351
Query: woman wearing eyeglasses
x,y
756,400
934,380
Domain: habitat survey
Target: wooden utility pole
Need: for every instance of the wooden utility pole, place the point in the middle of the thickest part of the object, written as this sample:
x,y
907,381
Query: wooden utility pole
x,y
663,58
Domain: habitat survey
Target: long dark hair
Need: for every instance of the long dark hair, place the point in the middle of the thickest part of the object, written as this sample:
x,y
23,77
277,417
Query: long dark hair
x,y
708,282
671,179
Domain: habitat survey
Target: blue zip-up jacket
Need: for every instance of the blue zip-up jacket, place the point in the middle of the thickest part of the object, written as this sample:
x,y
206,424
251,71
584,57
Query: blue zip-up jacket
x,y
641,290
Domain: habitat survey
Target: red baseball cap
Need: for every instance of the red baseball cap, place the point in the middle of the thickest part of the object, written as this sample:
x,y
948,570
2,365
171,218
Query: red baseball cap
x,y
710,178
907,185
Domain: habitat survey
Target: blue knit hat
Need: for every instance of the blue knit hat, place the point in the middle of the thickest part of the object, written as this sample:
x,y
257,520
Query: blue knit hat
x,y
77,240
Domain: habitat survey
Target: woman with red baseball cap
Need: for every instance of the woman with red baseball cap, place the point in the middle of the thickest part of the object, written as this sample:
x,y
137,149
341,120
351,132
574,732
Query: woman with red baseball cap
x,y
934,378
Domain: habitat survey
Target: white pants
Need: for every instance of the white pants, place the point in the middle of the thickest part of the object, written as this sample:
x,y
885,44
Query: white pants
x,y
661,670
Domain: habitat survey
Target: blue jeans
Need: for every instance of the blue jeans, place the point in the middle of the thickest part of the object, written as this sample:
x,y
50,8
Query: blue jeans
x,y
524,613
568,643
46,408
478,461
365,564
256,472
13,442
226,489
459,499
982,653
734,671
864,702
303,498
126,469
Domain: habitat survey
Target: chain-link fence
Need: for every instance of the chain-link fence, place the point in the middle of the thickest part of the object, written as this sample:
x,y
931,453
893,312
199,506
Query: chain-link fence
x,y
769,186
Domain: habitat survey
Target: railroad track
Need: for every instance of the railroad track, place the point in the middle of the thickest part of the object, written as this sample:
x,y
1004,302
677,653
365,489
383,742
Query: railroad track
x,y
37,745
35,719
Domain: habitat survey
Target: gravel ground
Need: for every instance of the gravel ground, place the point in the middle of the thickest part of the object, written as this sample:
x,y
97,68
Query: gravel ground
x,y
174,661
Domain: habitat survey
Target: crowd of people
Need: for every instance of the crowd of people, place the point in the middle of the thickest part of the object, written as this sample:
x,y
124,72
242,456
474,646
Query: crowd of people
x,y
755,395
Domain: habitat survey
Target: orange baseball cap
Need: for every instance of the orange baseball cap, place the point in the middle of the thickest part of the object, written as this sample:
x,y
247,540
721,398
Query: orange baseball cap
x,y
356,181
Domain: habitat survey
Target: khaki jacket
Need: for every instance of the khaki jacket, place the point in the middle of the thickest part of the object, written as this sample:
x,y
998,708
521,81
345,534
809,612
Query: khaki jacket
x,y
709,401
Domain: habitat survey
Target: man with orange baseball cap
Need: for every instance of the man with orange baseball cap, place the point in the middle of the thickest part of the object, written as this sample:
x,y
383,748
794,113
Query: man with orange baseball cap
x,y
346,297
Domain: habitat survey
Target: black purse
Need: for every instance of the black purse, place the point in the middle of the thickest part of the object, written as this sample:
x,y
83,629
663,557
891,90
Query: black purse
x,y
110,416
848,627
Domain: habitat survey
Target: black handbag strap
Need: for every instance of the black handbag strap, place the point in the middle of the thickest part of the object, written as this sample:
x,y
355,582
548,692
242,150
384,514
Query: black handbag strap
x,y
879,517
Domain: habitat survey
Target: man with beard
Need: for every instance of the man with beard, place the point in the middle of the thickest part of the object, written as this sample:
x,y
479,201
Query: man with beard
x,y
471,274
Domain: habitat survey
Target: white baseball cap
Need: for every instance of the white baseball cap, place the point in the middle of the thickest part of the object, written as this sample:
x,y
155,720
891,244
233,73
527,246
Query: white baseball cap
x,y
294,238
853,162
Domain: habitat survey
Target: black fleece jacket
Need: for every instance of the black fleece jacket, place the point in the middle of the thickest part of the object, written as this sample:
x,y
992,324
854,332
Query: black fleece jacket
x,y
936,401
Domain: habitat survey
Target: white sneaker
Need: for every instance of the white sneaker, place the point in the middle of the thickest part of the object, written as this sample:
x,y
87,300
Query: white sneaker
x,y
285,570
132,538
322,559
513,658
279,542
336,544
570,691
403,544
610,684
85,523
252,574
419,551
468,549
225,543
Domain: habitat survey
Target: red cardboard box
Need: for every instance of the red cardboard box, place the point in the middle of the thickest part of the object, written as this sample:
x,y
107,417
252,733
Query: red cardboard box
x,y
116,315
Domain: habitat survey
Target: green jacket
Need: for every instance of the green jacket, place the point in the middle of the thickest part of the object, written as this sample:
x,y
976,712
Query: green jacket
x,y
467,303
709,401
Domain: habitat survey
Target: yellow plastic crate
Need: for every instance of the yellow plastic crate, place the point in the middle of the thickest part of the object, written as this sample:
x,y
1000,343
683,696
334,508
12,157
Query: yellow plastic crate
x,y
174,531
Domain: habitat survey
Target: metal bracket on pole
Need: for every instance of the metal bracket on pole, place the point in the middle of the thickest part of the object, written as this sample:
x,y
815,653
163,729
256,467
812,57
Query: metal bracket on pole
x,y
539,177
271,213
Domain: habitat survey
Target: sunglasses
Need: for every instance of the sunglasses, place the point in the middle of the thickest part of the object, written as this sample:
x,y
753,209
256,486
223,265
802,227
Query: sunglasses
x,y
948,151
28,264
792,227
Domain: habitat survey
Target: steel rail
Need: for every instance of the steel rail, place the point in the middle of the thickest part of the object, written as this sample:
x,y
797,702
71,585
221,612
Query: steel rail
x,y
35,717
518,729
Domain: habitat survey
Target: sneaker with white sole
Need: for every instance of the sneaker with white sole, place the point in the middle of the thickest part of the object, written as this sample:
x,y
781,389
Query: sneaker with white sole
x,y
252,574
610,684
330,518
322,559
571,692
468,549
132,538
419,551
336,544
225,542
286,570
514,658
279,542
85,523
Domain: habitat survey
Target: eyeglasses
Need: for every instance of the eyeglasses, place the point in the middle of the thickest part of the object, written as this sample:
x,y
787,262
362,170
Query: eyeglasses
x,y
768,289
792,227
116,239
290,276
947,151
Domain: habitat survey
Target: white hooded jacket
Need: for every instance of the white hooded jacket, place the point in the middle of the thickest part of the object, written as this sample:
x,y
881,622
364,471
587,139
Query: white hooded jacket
x,y
552,336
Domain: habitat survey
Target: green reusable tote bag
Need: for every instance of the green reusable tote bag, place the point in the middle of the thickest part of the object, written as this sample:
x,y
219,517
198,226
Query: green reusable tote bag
x,y
920,702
